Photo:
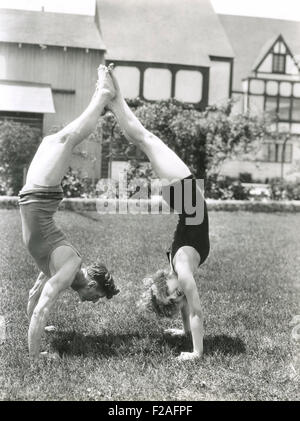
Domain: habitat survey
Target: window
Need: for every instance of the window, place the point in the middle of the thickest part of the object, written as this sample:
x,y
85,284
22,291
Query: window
x,y
257,86
278,65
157,84
296,110
284,108
188,86
272,152
129,80
271,104
30,119
272,87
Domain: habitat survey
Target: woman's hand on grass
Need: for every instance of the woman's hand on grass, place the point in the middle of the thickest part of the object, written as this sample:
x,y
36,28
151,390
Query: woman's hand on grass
x,y
189,356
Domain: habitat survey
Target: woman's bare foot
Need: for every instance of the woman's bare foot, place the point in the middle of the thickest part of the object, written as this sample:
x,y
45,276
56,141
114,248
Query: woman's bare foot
x,y
118,97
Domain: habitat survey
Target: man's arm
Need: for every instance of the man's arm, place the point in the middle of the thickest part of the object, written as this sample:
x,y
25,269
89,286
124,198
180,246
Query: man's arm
x,y
35,293
55,285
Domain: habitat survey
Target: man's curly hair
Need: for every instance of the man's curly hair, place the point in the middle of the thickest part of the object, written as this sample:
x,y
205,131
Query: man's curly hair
x,y
157,297
99,273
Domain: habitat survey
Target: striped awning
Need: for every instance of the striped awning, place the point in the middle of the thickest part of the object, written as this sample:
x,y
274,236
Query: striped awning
x,y
26,97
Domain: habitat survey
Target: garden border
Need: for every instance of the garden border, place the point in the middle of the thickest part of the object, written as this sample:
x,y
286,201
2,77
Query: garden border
x,y
81,204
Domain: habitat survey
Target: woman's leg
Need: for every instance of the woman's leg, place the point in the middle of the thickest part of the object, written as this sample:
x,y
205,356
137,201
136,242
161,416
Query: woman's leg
x,y
166,164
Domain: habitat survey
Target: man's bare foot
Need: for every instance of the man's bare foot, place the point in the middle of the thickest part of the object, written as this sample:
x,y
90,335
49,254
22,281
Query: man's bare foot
x,y
50,355
105,86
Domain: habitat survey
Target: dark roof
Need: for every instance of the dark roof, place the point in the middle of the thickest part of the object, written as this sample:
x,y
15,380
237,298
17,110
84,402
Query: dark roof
x,y
248,35
59,29
162,31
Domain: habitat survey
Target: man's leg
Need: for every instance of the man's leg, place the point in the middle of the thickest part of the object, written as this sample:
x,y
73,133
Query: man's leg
x,y
83,126
166,164
35,293
53,156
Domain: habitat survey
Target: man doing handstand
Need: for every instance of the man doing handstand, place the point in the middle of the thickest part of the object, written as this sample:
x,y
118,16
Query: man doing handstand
x,y
59,262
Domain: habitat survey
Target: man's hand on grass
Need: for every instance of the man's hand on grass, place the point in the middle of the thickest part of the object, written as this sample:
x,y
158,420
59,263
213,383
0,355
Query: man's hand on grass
x,y
52,356
50,329
175,332
188,356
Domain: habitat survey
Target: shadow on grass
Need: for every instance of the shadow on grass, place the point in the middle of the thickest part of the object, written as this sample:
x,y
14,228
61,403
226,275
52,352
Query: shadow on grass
x,y
77,344
109,344
223,344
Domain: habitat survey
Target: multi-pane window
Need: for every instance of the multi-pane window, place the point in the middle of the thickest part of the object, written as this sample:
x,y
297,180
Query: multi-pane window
x,y
162,81
273,152
278,64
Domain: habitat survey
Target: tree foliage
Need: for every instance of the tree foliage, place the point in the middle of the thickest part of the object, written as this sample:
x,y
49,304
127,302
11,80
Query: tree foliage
x,y
203,139
18,143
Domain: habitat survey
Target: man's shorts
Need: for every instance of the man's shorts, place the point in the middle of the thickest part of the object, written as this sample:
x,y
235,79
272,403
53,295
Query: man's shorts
x,y
40,233
185,197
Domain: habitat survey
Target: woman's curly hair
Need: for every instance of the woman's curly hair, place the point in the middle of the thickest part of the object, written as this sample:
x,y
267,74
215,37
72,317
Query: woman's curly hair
x,y
157,297
99,273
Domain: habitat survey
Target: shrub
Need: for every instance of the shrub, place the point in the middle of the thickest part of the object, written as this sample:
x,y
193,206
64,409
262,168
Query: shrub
x,y
284,190
18,143
139,177
225,188
245,177
74,185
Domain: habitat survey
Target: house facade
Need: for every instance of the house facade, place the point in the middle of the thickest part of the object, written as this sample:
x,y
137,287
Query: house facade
x,y
267,79
161,49
48,65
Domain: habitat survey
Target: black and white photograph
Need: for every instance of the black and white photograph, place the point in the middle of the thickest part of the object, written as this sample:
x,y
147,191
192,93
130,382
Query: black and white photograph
x,y
150,203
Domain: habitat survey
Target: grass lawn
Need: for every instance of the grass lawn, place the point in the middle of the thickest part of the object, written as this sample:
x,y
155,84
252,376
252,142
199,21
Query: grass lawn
x,y
249,288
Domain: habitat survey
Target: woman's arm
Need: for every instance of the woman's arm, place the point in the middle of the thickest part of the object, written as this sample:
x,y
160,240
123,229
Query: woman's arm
x,y
191,312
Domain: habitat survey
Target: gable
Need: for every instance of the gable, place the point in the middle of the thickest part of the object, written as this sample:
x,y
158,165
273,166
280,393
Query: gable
x,y
250,35
278,59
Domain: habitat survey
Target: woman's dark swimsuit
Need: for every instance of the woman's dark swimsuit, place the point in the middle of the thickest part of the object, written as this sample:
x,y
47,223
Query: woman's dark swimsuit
x,y
182,196
40,234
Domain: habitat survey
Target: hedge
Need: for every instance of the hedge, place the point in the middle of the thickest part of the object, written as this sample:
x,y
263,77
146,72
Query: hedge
x,y
81,205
